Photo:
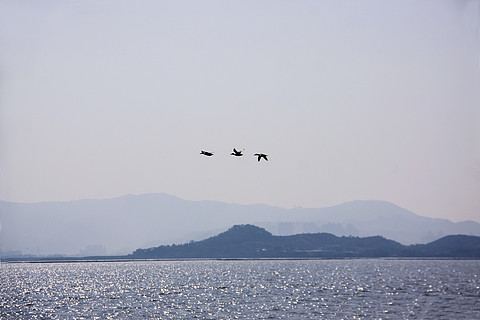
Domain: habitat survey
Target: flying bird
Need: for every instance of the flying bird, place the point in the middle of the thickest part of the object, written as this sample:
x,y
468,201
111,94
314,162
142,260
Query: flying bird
x,y
206,153
261,155
237,153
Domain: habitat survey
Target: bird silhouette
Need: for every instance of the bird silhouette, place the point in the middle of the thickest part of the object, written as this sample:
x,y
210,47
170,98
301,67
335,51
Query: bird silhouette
x,y
261,155
237,153
206,153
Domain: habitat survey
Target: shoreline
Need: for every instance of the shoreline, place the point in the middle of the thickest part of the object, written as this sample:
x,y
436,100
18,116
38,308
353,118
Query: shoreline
x,y
119,259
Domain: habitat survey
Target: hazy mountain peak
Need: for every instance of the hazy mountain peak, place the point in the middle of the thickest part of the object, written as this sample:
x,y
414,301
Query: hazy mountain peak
x,y
373,208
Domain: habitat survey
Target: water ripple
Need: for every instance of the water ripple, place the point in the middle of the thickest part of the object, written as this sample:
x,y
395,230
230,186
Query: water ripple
x,y
270,289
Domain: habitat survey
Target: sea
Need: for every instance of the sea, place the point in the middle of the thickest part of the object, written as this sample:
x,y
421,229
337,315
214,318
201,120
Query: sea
x,y
242,289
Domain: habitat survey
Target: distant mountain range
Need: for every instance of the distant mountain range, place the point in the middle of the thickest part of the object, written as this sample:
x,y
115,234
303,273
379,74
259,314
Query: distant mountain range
x,y
248,241
120,225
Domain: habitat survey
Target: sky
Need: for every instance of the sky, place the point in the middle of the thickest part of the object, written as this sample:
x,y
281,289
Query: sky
x,y
351,100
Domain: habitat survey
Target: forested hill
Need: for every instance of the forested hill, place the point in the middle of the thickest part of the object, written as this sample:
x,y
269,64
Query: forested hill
x,y
248,241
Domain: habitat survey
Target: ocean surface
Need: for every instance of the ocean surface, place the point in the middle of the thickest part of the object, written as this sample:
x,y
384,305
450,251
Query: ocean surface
x,y
245,289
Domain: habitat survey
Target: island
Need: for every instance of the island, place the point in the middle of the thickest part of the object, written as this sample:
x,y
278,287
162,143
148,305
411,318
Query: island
x,y
252,242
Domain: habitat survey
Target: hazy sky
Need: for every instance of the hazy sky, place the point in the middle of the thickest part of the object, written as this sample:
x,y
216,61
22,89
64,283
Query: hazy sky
x,y
350,100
